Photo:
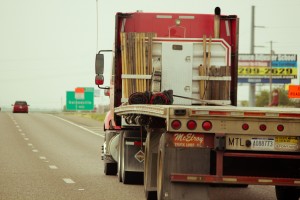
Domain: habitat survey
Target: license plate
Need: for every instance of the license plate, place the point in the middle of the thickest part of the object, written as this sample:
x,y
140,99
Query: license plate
x,y
262,143
286,143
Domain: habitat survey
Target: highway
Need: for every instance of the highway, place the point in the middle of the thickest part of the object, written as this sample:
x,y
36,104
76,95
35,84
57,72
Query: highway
x,y
47,156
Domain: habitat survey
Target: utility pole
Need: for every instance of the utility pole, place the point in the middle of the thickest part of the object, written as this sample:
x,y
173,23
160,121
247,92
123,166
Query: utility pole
x,y
270,77
252,85
252,49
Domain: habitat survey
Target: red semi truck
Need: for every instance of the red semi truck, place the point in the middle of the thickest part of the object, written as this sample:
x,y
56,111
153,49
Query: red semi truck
x,y
174,123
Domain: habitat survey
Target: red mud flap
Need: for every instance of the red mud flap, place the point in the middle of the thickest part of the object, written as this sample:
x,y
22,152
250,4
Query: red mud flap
x,y
196,178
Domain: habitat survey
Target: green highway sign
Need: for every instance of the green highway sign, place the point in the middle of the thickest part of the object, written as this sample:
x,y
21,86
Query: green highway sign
x,y
80,99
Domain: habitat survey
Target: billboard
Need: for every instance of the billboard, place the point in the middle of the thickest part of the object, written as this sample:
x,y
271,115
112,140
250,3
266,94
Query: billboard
x,y
262,66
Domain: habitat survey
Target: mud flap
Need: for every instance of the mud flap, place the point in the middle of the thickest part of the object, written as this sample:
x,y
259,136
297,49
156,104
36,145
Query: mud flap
x,y
150,169
181,160
132,157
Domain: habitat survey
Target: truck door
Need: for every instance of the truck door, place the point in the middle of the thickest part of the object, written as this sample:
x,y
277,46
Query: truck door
x,y
177,69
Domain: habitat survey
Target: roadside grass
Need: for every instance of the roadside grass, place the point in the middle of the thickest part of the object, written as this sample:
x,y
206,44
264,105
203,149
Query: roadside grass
x,y
95,116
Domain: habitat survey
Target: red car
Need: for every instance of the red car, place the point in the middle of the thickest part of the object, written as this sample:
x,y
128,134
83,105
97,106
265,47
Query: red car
x,y
20,107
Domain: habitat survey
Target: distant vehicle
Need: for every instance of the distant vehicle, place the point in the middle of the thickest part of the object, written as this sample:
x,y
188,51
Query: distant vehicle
x,y
20,107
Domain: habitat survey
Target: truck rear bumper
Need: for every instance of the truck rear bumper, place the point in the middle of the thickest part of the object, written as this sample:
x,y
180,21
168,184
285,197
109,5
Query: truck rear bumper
x,y
198,178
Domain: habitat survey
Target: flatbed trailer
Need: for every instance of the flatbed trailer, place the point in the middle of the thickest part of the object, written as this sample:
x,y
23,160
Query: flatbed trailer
x,y
218,145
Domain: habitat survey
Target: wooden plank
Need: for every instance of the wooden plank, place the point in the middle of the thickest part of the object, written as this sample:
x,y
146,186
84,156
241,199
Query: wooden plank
x,y
227,85
130,62
143,43
202,72
124,64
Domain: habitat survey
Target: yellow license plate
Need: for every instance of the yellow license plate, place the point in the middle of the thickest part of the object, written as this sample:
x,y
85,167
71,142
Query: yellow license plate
x,y
287,143
280,139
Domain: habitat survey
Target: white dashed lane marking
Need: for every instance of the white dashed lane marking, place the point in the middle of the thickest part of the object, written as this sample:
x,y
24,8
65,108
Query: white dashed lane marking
x,y
53,167
68,181
95,130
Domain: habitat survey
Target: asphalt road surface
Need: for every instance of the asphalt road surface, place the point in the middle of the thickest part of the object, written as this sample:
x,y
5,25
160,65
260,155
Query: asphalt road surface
x,y
46,156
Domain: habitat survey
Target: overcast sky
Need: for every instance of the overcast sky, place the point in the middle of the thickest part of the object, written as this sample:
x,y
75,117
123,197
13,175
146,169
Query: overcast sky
x,y
48,47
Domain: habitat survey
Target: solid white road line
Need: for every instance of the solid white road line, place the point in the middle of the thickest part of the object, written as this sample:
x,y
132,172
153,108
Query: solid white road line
x,y
78,126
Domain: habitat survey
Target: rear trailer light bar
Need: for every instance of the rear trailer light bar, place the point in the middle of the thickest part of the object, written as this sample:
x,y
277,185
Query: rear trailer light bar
x,y
207,125
199,178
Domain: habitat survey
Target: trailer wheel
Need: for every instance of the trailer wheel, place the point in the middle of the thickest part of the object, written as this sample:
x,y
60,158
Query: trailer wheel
x,y
110,169
287,192
151,195
126,177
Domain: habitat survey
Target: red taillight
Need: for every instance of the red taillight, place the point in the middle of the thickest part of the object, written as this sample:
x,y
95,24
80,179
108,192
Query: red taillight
x,y
99,79
280,127
245,126
206,125
262,127
138,143
176,124
192,125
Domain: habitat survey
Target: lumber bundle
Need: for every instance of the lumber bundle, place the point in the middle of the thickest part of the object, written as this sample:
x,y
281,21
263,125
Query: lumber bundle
x,y
215,85
136,55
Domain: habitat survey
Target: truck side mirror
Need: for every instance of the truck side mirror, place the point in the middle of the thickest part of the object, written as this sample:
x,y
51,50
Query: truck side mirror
x,y
99,63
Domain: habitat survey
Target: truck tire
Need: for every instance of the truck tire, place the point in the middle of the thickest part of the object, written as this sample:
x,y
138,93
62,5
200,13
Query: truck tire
x,y
287,193
110,166
110,169
151,195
